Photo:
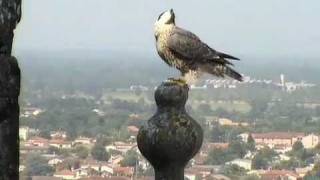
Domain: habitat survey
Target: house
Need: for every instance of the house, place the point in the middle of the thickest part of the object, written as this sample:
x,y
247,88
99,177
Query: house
x,y
133,130
310,141
200,170
65,174
218,177
31,111
37,141
280,175
54,161
98,166
45,178
84,141
244,163
244,137
191,174
199,159
115,160
207,147
144,164
22,167
25,149
59,143
134,117
58,134
229,122
123,171
23,133
272,139
122,147
303,171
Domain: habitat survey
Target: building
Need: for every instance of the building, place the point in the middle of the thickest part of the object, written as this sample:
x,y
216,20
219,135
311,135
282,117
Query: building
x,y
59,143
84,141
58,134
45,178
133,131
123,171
122,147
283,141
310,141
37,141
244,163
273,139
54,161
23,133
280,175
229,122
66,175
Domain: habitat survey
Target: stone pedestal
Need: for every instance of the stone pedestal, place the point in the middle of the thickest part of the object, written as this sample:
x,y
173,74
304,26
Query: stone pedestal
x,y
10,13
171,137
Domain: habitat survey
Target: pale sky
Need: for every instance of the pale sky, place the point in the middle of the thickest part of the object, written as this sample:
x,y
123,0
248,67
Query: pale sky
x,y
251,27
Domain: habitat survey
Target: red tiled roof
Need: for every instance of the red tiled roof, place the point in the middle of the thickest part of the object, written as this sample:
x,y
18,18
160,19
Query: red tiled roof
x,y
276,135
123,170
65,173
133,129
272,174
58,141
38,139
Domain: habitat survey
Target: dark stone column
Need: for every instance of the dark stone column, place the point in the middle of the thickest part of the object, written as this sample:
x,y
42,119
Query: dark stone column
x,y
10,13
171,137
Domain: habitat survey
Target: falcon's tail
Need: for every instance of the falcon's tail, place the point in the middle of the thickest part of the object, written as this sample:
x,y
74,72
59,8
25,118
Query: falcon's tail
x,y
221,70
233,74
226,56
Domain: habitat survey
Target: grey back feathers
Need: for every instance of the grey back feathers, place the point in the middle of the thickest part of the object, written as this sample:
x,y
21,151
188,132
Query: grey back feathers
x,y
187,46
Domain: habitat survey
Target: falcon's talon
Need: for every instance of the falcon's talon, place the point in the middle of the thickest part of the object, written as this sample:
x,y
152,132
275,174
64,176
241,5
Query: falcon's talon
x,y
179,81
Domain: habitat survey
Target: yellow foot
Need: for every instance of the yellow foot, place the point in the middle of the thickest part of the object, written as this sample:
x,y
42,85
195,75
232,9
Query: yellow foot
x,y
178,81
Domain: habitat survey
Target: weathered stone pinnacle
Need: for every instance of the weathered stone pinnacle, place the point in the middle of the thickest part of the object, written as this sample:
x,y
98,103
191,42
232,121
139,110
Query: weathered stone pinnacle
x,y
10,14
171,137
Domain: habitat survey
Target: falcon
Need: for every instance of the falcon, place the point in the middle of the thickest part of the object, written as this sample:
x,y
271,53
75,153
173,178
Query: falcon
x,y
185,51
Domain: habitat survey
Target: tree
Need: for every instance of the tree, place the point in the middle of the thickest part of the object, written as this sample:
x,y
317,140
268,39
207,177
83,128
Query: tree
x,y
99,152
238,148
250,177
251,144
297,146
45,134
216,157
263,158
130,159
37,166
81,151
314,174
234,171
204,108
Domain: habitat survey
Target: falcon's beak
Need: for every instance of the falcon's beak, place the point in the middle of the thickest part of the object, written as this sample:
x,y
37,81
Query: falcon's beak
x,y
173,17
171,12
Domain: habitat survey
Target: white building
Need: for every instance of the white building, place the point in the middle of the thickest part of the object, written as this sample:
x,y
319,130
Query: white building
x,y
23,133
310,141
244,163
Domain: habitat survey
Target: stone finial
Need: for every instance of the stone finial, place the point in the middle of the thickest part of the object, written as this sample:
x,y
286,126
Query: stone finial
x,y
171,137
10,14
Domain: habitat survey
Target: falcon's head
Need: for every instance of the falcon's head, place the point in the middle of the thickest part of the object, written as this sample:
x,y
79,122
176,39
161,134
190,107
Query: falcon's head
x,y
167,17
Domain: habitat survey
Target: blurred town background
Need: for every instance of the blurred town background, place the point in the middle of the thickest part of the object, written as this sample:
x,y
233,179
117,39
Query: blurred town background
x,y
80,120
89,71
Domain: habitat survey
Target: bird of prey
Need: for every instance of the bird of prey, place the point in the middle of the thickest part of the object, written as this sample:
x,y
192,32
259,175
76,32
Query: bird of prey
x,y
185,51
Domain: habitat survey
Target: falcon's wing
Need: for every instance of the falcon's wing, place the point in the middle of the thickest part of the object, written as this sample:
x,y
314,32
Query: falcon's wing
x,y
189,47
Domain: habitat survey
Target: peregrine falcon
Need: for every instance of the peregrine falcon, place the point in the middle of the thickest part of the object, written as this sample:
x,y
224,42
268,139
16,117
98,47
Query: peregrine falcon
x,y
185,51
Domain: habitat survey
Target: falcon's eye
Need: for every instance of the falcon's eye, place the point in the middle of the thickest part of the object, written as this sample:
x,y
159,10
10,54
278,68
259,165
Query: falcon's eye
x,y
160,16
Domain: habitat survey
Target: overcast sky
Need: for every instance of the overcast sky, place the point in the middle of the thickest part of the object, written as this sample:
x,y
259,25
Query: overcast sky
x,y
251,27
